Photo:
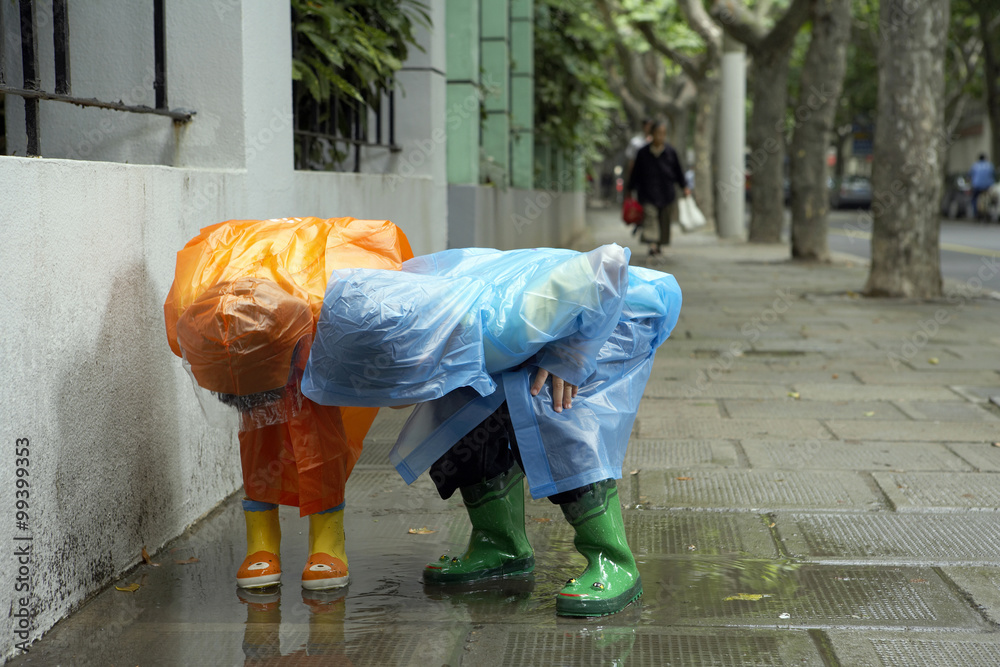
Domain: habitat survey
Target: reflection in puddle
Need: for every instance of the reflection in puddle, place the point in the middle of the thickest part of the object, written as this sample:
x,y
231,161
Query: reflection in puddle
x,y
680,588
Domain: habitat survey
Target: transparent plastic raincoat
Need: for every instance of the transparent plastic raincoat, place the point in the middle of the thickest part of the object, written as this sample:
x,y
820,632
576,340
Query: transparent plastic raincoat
x,y
242,312
463,330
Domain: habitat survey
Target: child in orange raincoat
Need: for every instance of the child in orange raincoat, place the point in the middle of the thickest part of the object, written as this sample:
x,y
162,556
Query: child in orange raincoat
x,y
241,313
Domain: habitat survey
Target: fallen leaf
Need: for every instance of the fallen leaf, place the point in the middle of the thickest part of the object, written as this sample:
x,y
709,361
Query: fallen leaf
x,y
190,560
835,376
933,361
682,479
771,525
870,413
968,495
749,597
794,394
541,519
146,559
131,588
421,531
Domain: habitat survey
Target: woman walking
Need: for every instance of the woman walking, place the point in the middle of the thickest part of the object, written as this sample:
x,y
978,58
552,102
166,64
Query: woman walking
x,y
656,173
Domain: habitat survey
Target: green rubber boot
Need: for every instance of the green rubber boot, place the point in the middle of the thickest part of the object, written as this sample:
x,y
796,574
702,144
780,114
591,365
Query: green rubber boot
x,y
498,546
611,580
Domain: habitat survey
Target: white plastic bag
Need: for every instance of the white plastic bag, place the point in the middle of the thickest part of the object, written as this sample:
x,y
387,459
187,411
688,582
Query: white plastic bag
x,y
691,218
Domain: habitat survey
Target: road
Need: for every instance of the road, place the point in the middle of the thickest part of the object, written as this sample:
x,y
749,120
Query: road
x,y
967,248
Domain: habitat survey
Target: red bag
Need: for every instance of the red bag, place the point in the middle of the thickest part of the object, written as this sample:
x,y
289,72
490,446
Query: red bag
x,y
631,211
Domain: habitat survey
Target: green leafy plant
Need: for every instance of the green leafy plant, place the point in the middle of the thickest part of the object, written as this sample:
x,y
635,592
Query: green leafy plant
x,y
573,104
345,54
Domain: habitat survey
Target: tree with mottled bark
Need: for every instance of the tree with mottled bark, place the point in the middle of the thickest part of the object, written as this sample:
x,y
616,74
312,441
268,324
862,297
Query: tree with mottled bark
x,y
770,51
820,85
909,145
642,83
703,71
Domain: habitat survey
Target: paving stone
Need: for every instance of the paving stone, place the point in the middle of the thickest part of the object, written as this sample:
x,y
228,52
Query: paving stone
x,y
730,429
886,537
384,489
941,491
984,456
755,490
983,585
910,650
979,394
375,452
654,454
914,431
663,389
385,429
259,642
924,378
946,411
975,350
816,345
948,362
852,456
702,592
654,533
608,644
838,364
832,391
805,409
655,408
787,378
662,371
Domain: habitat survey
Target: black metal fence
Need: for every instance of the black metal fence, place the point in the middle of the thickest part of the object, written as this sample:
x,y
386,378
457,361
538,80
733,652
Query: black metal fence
x,y
330,135
30,89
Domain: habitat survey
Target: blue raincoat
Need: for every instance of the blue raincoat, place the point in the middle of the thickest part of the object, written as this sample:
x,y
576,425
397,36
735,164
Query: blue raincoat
x,y
461,331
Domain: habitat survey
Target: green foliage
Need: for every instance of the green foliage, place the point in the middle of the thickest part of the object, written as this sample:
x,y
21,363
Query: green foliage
x,y
573,105
352,46
344,56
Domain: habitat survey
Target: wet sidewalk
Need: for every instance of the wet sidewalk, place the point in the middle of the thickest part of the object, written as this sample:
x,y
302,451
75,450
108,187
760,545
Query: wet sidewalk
x,y
811,481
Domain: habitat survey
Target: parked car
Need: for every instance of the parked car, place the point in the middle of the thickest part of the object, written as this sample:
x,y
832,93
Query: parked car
x,y
956,202
850,191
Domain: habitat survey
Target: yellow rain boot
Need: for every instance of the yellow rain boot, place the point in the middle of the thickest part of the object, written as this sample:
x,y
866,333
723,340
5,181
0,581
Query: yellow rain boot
x,y
262,566
327,566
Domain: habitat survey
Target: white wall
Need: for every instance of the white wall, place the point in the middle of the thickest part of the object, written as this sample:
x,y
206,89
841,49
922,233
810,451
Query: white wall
x,y
121,455
490,217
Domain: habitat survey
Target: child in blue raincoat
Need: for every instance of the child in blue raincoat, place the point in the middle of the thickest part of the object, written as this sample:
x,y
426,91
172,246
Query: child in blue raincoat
x,y
522,363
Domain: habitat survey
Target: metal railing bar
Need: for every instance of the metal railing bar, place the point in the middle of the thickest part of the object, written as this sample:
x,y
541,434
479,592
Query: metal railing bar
x,y
392,117
345,140
181,115
159,54
29,72
60,45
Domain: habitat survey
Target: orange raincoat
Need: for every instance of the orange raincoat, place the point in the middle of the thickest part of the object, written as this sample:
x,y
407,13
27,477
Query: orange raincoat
x,y
241,311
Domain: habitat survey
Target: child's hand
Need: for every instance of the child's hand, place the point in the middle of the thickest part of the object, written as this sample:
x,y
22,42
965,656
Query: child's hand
x,y
562,392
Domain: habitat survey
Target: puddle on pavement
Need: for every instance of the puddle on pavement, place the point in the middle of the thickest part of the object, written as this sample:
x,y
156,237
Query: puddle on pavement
x,y
193,613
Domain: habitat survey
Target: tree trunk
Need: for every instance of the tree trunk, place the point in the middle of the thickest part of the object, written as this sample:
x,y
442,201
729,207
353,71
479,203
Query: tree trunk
x,y
821,82
908,150
703,143
991,76
767,146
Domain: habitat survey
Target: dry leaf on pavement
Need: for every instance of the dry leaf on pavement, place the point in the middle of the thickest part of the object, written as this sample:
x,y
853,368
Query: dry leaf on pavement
x,y
146,559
